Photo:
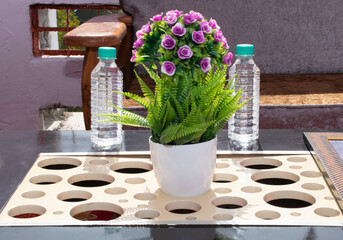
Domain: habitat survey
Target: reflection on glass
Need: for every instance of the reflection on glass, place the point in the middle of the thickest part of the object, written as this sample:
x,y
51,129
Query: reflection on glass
x,y
337,144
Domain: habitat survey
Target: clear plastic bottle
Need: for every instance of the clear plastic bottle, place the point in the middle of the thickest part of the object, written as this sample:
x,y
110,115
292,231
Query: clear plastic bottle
x,y
105,78
244,125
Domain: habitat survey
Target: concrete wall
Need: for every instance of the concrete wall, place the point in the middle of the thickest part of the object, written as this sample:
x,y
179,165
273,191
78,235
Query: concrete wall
x,y
290,36
27,83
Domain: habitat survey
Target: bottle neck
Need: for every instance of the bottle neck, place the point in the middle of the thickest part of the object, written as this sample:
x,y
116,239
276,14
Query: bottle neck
x,y
107,62
244,59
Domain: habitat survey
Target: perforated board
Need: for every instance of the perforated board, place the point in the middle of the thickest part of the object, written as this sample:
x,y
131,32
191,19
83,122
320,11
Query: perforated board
x,y
122,190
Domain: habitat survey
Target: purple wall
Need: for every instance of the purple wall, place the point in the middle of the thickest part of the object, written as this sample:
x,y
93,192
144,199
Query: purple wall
x,y
28,83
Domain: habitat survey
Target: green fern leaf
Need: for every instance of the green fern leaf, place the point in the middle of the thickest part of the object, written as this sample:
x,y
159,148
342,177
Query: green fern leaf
x,y
145,89
131,120
135,97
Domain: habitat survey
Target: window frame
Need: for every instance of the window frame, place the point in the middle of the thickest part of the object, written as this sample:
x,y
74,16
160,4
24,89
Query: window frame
x,y
36,29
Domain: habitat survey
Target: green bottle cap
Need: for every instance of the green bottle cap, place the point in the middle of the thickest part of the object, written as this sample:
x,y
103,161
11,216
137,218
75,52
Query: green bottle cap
x,y
107,53
245,50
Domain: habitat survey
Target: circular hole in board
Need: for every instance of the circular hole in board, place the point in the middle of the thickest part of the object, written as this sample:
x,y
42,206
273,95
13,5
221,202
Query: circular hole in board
x,y
275,177
312,186
147,214
134,167
295,167
74,196
45,179
289,199
251,189
229,202
267,214
145,196
97,211
222,165
183,207
224,178
327,212
135,180
98,162
222,190
116,190
33,194
58,212
27,211
261,163
91,180
62,163
222,216
311,174
295,214
297,159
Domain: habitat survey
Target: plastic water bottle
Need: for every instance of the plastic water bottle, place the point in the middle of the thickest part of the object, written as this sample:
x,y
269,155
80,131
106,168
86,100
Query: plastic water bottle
x,y
244,125
106,78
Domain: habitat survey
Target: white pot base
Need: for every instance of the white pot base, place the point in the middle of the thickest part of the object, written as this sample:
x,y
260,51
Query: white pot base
x,y
184,170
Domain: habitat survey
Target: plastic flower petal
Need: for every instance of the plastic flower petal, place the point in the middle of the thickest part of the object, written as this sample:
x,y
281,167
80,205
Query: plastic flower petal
x,y
157,18
198,37
133,55
146,28
170,19
213,24
227,59
184,52
168,42
205,64
198,16
205,27
189,19
138,43
218,36
178,30
168,68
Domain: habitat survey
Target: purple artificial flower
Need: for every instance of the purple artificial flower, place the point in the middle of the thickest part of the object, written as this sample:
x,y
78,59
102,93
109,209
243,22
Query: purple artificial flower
x,y
168,42
133,55
157,18
139,34
168,68
189,19
218,36
146,28
205,64
138,43
170,19
196,15
184,52
227,59
226,46
205,27
176,12
179,30
213,24
198,37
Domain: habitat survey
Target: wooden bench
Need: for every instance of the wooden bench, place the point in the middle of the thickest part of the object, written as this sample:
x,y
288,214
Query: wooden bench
x,y
112,30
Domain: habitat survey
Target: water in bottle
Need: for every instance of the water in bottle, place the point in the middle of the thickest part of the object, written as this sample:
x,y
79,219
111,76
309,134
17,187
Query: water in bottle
x,y
105,78
244,125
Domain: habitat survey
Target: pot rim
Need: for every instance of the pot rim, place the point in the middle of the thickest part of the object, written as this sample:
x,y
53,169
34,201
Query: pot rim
x,y
193,144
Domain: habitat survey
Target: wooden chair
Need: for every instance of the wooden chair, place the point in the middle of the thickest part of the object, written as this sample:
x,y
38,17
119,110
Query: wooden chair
x,y
112,30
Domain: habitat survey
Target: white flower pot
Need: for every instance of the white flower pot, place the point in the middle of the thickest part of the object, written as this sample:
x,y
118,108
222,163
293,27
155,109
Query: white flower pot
x,y
184,170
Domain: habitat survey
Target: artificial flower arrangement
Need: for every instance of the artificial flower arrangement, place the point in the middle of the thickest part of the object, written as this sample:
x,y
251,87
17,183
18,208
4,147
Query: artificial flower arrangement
x,y
192,99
